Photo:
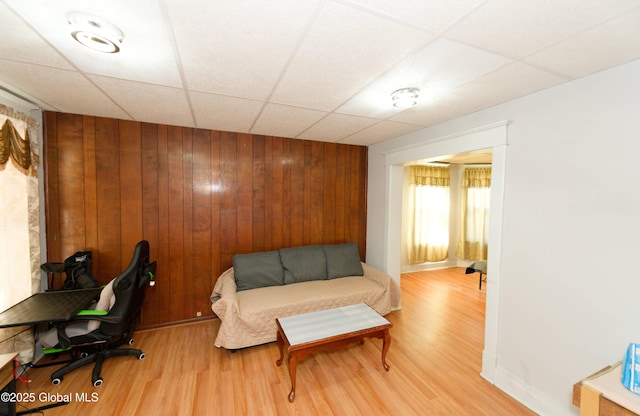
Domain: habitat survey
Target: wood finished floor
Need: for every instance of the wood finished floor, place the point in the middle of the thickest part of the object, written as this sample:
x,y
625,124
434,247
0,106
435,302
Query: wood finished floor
x,y
435,360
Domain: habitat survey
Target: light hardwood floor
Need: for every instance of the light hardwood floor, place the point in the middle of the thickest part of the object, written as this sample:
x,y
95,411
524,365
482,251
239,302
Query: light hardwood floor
x,y
435,360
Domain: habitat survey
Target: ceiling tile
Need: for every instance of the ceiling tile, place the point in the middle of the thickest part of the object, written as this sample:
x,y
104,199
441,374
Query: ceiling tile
x,y
335,127
219,112
569,57
62,90
380,132
434,15
443,109
439,67
285,121
344,51
148,102
146,54
25,45
512,81
517,28
237,48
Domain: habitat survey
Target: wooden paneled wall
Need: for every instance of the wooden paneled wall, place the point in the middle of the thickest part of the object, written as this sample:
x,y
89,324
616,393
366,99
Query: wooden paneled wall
x,y
198,196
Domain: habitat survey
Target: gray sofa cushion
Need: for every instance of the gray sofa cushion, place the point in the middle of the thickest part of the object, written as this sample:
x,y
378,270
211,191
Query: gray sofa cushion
x,y
258,270
302,264
343,260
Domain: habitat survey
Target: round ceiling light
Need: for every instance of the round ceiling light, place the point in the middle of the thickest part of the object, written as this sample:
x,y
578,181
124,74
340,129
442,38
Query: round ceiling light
x,y
405,97
95,33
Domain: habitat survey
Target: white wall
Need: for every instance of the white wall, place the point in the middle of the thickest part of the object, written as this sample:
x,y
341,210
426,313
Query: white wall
x,y
567,295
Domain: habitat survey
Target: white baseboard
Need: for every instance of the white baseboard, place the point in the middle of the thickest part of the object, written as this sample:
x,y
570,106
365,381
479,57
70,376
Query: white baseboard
x,y
488,367
530,397
445,264
409,268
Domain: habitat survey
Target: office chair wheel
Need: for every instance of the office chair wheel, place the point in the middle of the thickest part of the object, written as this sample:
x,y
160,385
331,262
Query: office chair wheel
x,y
98,382
84,354
141,356
130,341
56,381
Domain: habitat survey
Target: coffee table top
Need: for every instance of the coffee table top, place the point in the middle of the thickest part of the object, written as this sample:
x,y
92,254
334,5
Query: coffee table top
x,y
314,326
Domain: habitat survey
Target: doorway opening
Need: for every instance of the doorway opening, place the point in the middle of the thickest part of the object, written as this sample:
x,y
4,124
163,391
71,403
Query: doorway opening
x,y
445,212
493,137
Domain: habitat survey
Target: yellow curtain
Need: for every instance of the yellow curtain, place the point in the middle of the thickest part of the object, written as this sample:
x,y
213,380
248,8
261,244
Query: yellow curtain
x,y
428,216
475,201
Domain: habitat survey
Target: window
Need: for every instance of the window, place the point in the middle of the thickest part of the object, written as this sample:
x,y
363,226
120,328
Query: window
x,y
428,214
476,191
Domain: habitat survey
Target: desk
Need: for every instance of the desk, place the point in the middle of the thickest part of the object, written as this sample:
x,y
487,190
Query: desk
x,y
48,307
604,394
6,368
43,308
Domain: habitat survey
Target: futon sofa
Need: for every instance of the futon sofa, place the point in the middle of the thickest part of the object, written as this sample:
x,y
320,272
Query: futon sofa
x,y
261,287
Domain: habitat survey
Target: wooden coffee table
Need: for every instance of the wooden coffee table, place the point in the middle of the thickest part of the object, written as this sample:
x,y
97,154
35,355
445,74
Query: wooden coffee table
x,y
332,328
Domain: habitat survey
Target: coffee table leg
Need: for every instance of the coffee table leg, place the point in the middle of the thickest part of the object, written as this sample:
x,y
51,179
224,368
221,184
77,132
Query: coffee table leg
x,y
386,342
280,347
293,363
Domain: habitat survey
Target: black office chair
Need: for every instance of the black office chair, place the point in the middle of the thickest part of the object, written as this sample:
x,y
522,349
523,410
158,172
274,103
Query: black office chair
x,y
97,334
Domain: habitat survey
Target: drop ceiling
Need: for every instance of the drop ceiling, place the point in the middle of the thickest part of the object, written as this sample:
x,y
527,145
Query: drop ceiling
x,y
309,69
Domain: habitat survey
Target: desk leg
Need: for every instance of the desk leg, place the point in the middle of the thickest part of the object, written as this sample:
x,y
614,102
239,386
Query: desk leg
x,y
293,364
589,401
386,342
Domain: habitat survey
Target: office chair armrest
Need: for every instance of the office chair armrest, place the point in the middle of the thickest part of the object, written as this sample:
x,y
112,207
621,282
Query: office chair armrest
x,y
91,312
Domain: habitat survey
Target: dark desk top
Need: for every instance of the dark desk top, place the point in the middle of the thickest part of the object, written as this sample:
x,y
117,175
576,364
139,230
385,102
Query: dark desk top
x,y
48,307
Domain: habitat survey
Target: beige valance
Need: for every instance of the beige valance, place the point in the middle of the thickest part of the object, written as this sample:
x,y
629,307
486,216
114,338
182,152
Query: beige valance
x,y
425,175
15,148
476,178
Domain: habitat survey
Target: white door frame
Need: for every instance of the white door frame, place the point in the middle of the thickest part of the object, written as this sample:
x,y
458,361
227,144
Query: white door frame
x,y
493,136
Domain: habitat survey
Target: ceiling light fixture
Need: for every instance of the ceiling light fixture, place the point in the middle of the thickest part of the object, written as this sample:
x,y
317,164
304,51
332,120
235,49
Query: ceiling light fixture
x,y
95,33
405,97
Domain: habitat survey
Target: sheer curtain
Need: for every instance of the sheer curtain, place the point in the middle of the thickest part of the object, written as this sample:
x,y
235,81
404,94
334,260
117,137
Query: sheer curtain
x,y
19,223
428,214
475,198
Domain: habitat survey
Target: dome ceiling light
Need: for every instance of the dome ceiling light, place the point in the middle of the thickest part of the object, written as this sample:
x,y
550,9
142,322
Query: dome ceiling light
x,y
405,97
95,33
